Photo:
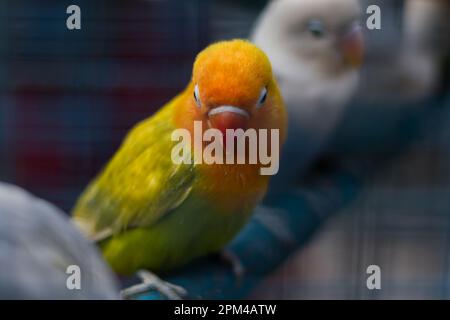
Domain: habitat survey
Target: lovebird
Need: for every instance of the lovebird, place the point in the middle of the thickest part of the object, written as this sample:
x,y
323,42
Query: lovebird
x,y
316,48
147,212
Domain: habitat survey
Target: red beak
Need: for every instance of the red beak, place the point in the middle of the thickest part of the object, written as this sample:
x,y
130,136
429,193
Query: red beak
x,y
352,46
228,117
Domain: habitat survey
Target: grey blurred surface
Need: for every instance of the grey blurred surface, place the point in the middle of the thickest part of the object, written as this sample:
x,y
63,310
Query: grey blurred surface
x,y
38,244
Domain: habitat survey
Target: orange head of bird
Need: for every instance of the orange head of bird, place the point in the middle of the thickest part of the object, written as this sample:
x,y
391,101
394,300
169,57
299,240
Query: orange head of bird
x,y
232,87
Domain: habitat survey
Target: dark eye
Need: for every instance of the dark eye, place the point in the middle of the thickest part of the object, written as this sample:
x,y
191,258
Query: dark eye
x,y
197,95
262,97
316,28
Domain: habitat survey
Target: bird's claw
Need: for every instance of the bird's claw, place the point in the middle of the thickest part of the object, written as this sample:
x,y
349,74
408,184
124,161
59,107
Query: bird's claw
x,y
150,281
233,260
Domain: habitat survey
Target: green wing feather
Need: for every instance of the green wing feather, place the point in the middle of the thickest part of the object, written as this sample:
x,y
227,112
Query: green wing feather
x,y
140,184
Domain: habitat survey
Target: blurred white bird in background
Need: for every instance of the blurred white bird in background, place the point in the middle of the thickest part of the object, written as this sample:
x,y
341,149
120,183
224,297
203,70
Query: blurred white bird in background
x,y
37,244
316,49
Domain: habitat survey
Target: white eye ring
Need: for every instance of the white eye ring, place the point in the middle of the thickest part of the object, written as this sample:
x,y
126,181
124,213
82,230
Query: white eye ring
x,y
262,97
197,95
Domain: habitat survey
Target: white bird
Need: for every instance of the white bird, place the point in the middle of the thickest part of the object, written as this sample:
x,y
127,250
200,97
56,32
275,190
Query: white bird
x,y
316,49
38,244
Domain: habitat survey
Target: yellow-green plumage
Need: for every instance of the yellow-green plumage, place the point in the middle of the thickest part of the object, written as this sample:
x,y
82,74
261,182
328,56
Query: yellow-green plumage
x,y
145,211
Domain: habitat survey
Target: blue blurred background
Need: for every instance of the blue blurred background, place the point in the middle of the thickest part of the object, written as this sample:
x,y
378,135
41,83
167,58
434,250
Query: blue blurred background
x,y
67,98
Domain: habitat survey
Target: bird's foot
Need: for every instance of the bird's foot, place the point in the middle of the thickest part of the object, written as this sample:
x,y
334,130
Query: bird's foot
x,y
150,281
234,262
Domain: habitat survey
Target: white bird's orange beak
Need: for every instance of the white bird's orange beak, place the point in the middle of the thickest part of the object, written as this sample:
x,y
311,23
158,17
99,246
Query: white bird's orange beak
x,y
352,46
